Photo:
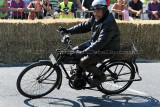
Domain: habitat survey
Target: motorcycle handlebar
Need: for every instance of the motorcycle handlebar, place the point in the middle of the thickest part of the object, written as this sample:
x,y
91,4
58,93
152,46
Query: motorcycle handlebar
x,y
61,32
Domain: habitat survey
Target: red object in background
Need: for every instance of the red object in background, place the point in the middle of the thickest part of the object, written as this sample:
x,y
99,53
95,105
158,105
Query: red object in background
x,y
108,2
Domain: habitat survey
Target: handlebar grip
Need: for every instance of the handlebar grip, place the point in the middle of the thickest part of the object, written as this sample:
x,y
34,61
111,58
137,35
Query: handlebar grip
x,y
60,27
61,32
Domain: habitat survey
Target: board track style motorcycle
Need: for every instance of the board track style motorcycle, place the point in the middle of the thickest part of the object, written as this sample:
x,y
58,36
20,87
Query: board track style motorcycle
x,y
42,77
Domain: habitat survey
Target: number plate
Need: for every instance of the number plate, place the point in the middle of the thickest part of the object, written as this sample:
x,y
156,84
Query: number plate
x,y
52,58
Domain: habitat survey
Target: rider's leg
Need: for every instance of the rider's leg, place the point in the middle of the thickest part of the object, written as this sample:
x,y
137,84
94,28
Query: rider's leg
x,y
79,71
89,64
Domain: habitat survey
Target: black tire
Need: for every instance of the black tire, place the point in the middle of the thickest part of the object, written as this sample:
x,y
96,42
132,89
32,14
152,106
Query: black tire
x,y
113,87
35,82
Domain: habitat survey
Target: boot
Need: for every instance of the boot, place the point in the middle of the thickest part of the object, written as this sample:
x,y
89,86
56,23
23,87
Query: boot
x,y
97,80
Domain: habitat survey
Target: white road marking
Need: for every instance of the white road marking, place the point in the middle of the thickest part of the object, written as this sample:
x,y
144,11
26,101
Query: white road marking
x,y
135,91
129,89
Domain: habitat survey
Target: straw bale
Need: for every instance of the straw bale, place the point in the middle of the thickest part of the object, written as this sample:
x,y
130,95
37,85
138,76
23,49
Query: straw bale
x,y
147,38
28,41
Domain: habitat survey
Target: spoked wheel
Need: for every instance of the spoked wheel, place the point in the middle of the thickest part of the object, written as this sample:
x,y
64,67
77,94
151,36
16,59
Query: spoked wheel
x,y
38,79
121,79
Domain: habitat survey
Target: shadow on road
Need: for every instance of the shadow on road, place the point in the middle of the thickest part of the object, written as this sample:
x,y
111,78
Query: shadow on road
x,y
120,100
50,101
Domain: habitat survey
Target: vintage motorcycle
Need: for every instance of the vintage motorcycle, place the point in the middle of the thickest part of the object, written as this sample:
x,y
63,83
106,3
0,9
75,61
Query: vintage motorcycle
x,y
41,78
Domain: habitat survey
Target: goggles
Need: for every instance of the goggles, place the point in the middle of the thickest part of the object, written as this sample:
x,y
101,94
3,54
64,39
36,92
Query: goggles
x,y
97,7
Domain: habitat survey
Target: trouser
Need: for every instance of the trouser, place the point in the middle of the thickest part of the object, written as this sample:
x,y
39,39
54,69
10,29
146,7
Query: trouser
x,y
17,17
45,13
89,64
152,17
134,16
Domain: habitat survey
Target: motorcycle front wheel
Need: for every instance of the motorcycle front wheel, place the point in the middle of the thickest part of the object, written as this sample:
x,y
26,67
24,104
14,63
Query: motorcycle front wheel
x,y
38,79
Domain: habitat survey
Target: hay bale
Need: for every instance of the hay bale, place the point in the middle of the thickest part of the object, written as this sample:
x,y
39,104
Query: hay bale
x,y
28,41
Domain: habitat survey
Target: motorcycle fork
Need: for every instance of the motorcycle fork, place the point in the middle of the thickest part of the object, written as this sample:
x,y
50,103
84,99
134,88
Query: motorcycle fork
x,y
67,75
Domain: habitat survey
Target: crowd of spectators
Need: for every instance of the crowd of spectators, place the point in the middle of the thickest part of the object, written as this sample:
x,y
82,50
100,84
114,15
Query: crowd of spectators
x,y
135,9
26,9
31,9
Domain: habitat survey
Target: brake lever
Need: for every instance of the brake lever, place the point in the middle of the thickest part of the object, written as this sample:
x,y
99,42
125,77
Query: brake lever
x,y
57,31
61,32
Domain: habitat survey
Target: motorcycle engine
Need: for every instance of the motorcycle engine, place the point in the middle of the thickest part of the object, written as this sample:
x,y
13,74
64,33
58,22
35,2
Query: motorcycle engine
x,y
79,83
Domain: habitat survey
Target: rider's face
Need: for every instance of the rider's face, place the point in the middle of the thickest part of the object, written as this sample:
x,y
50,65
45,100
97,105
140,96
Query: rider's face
x,y
98,14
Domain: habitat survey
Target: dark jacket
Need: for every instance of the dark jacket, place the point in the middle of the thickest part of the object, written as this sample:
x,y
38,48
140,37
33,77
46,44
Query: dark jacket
x,y
105,34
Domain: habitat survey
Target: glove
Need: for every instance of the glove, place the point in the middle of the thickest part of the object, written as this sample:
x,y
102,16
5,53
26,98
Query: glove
x,y
62,29
79,54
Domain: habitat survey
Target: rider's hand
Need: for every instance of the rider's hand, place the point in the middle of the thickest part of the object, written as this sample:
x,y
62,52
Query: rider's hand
x,y
64,30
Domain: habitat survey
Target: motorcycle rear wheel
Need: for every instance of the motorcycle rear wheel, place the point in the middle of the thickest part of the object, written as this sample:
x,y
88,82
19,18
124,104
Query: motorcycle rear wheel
x,y
124,74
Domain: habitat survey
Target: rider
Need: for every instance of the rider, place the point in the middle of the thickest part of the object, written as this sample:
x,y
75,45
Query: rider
x,y
105,36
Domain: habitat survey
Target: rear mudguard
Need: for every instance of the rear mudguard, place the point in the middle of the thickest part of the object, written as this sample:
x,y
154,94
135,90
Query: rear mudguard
x,y
58,85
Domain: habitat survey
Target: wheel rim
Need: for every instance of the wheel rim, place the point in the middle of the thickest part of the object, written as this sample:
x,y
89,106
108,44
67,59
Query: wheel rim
x,y
37,81
124,72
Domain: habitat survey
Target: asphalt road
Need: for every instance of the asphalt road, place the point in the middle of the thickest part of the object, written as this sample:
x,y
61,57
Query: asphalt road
x,y
144,93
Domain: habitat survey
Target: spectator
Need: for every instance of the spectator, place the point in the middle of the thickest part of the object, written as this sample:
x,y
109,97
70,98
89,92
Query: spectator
x,y
35,10
18,6
46,3
66,9
153,8
86,4
76,3
118,9
108,2
126,2
27,2
135,7
54,4
3,9
78,6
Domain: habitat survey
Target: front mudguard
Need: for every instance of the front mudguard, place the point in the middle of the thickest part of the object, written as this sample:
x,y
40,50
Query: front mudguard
x,y
58,85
